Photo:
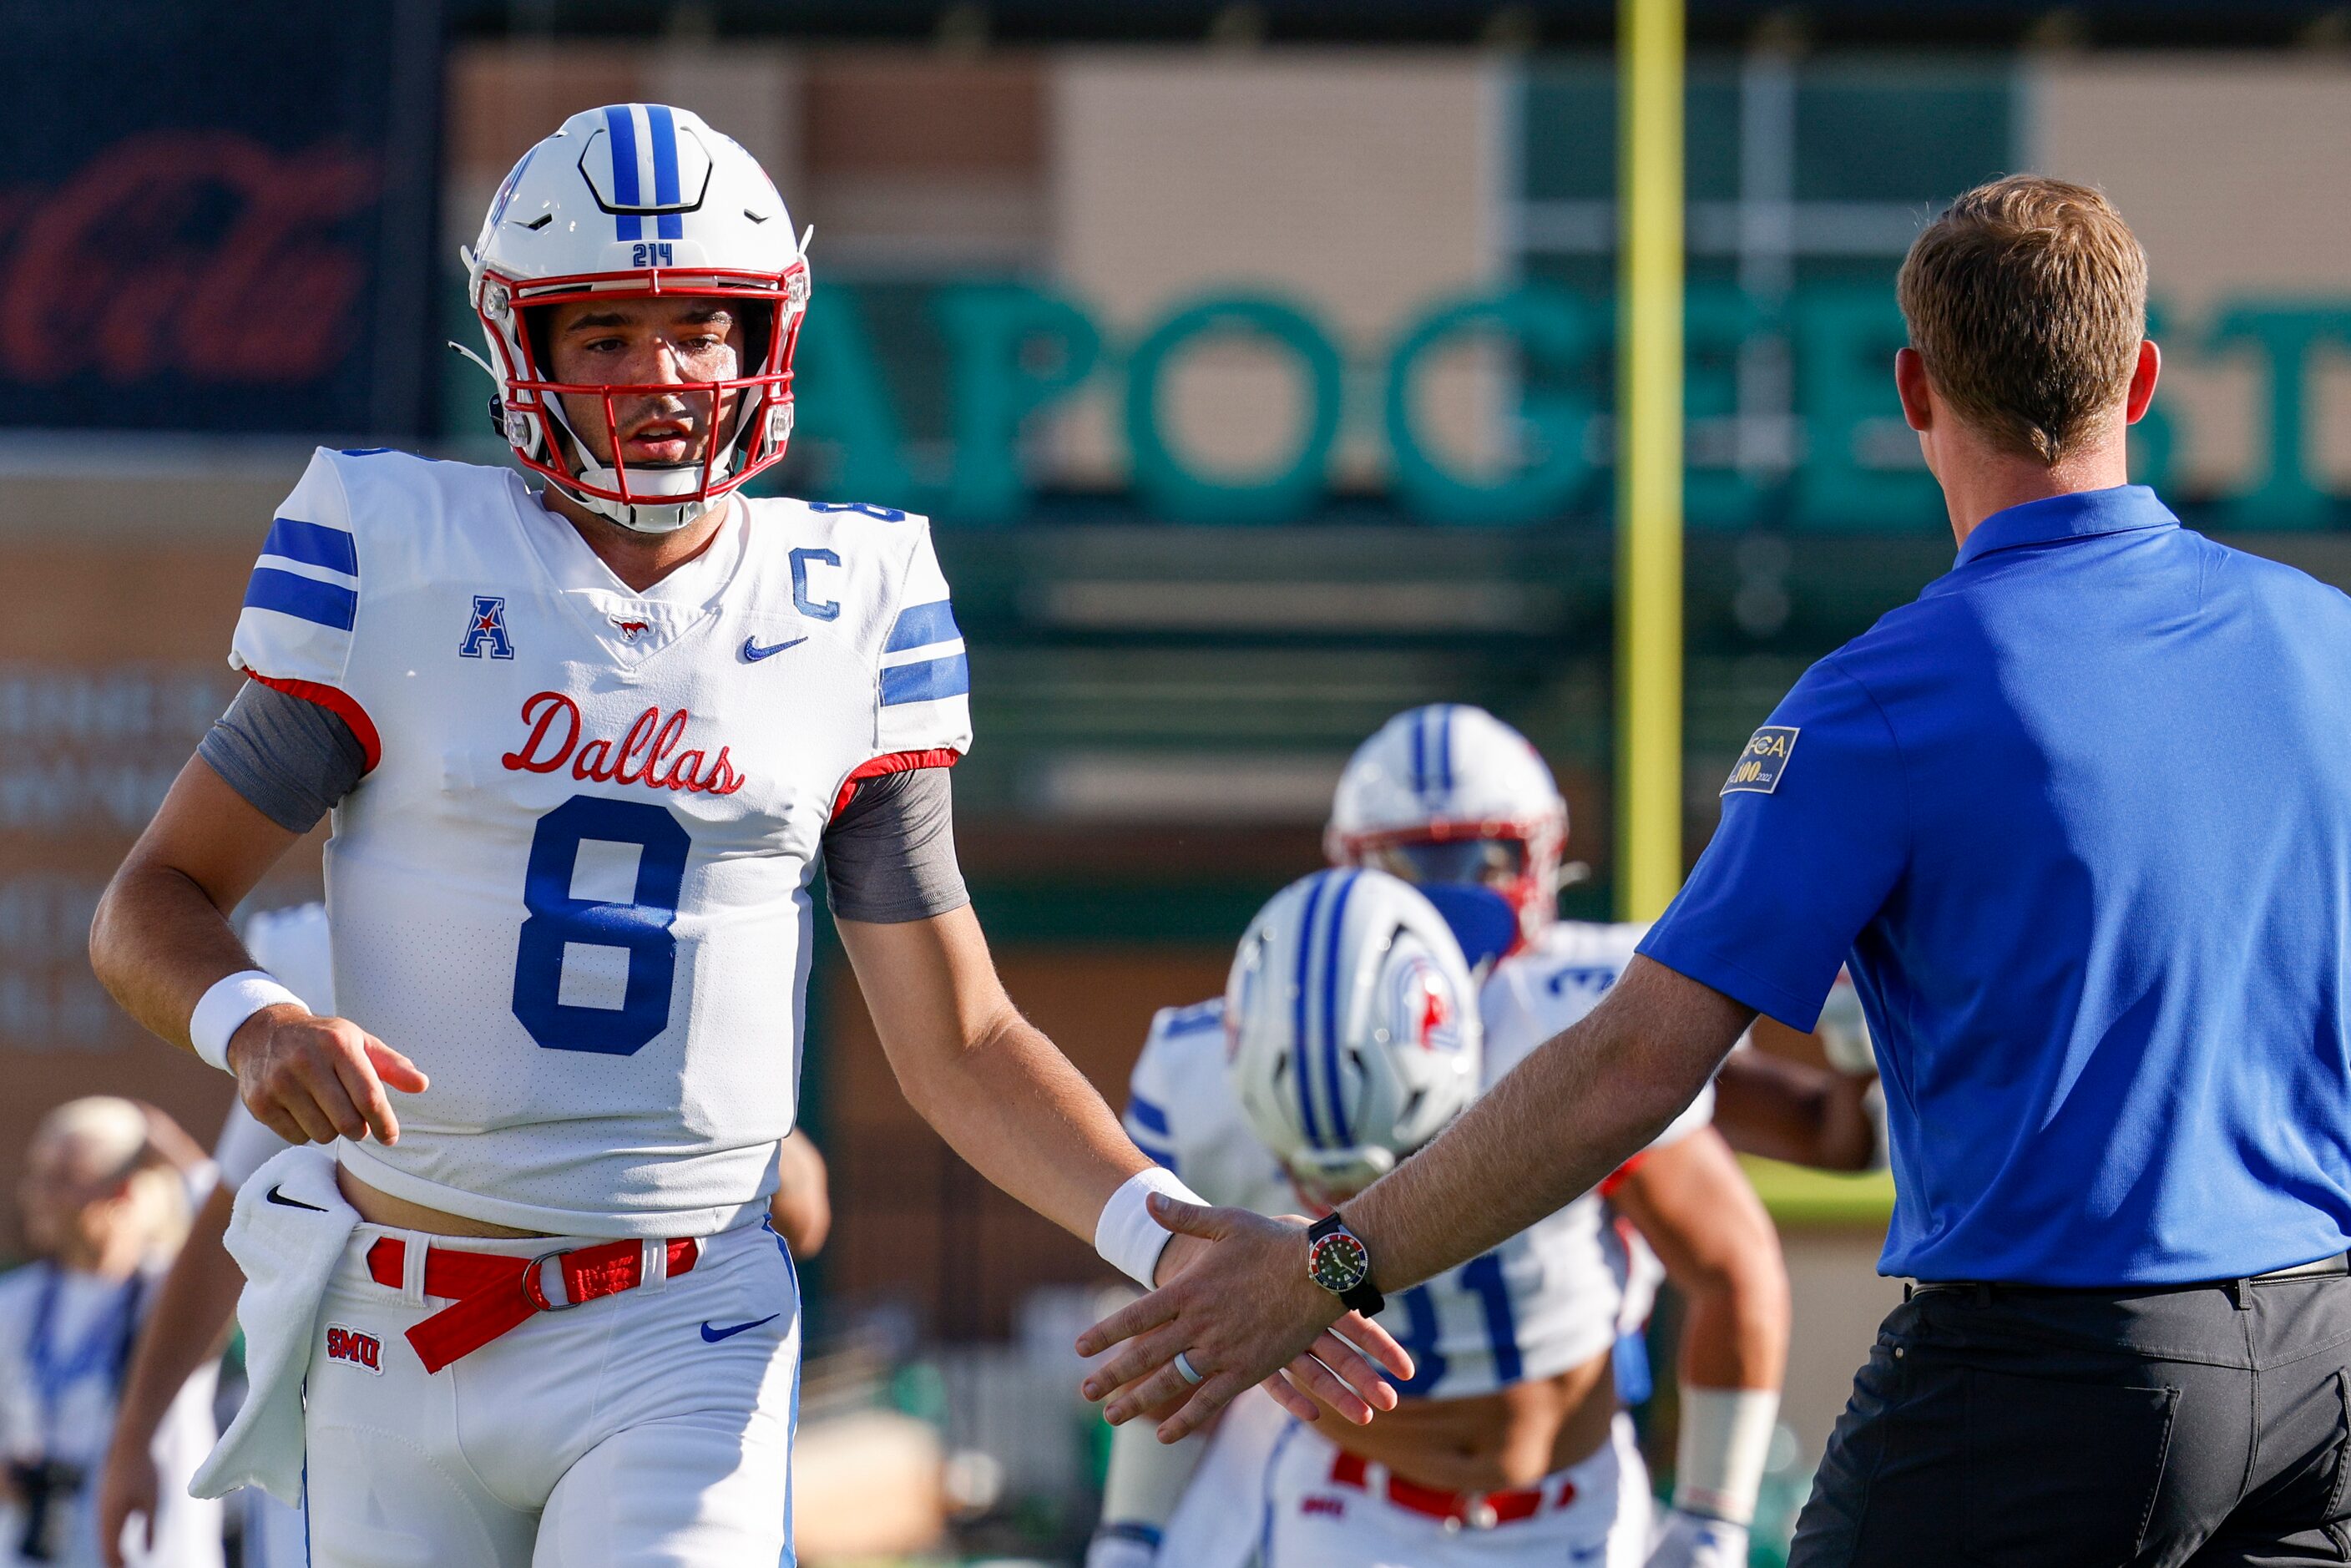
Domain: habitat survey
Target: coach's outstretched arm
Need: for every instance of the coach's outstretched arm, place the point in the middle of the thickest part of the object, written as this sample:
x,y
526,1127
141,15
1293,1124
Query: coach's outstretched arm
x,y
1008,1100
1553,1128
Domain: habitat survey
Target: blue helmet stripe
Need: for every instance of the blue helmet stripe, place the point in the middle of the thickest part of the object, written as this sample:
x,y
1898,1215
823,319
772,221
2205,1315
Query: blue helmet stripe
x,y
1299,1014
1419,755
1445,747
620,131
669,225
1330,979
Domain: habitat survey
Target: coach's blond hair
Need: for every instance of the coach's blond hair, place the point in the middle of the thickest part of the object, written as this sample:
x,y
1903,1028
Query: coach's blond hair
x,y
2027,301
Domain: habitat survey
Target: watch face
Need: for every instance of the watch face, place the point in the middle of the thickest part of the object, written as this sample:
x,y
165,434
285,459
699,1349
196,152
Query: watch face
x,y
1338,1262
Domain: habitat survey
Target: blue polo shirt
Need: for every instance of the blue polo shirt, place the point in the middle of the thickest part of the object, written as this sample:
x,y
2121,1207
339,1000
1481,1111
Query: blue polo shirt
x,y
2079,819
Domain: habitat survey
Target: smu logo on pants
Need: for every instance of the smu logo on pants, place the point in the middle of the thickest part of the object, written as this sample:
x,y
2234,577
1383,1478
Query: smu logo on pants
x,y
363,1351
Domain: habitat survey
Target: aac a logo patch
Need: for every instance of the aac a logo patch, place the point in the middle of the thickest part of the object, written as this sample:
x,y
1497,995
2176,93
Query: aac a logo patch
x,y
1758,767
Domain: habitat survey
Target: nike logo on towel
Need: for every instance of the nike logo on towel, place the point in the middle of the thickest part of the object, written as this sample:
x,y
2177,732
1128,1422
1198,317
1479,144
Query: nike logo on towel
x,y
753,653
278,1197
712,1336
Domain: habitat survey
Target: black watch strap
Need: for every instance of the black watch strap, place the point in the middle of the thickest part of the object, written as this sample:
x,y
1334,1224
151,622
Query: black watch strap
x,y
1362,1296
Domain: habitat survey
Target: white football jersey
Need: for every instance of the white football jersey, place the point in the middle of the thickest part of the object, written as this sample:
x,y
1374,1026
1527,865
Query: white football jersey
x,y
1549,1298
574,885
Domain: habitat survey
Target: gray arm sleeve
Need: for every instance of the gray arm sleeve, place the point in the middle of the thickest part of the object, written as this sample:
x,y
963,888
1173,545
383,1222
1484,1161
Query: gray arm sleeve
x,y
890,857
291,758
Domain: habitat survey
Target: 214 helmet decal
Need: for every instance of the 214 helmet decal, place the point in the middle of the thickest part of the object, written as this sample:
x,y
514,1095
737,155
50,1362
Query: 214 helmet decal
x,y
638,202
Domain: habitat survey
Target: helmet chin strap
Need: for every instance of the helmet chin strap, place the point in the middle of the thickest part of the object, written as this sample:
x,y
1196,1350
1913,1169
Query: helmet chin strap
x,y
639,518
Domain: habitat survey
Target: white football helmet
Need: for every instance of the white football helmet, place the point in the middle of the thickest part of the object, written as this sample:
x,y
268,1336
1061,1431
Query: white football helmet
x,y
1350,1028
1450,794
629,202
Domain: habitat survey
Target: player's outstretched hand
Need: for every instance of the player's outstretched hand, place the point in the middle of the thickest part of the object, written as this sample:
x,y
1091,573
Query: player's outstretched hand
x,y
1243,1312
312,1080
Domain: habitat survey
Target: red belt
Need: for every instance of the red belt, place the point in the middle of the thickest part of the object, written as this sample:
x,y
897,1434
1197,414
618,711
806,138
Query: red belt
x,y
494,1292
1476,1510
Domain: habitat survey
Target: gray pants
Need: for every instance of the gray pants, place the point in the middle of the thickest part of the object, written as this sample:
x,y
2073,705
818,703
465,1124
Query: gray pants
x,y
1993,1425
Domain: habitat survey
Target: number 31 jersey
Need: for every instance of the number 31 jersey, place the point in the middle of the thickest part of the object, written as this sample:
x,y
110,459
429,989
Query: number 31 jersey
x,y
573,883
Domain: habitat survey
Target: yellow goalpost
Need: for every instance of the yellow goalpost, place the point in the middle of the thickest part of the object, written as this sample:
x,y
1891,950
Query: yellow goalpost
x,y
1649,456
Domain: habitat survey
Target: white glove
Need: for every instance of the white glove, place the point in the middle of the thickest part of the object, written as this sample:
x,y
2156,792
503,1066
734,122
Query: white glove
x,y
1844,1033
1690,1541
1120,1552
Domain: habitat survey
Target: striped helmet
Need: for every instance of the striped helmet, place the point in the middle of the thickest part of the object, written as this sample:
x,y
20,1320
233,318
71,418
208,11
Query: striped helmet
x,y
631,201
1351,1026
1450,794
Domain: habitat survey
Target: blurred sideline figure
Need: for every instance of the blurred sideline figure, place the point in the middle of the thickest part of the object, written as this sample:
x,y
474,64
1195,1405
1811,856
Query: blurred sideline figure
x,y
105,1200
1526,1354
1771,1099
197,1299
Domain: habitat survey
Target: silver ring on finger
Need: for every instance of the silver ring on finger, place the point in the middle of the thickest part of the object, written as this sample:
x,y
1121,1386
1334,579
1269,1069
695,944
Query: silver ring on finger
x,y
1187,1371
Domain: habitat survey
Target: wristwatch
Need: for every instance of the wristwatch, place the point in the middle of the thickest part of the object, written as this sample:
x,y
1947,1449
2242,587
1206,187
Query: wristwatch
x,y
1337,1259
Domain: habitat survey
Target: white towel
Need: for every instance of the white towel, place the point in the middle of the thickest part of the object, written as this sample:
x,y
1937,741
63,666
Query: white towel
x,y
288,1233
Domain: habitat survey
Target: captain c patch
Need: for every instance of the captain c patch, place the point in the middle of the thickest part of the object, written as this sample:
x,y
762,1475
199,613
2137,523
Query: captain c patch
x,y
1758,767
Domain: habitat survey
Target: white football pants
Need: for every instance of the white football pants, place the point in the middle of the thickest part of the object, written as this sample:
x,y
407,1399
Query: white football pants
x,y
649,1430
1596,1514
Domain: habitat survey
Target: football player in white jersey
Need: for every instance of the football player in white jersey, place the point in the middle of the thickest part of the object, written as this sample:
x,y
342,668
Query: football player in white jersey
x,y
1455,802
196,1299
584,746
1349,1036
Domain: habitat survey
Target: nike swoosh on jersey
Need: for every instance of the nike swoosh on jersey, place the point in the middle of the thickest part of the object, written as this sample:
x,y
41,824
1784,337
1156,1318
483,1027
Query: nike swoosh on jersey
x,y
753,653
279,1198
712,1336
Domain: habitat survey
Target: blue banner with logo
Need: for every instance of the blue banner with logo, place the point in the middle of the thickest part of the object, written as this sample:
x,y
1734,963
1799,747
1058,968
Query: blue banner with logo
x,y
218,215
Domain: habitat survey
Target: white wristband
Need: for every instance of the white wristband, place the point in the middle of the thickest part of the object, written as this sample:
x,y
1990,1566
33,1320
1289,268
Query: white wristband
x,y
1127,1235
1726,1438
223,1010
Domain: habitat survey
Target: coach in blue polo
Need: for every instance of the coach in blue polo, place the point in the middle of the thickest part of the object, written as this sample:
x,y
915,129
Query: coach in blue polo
x,y
2079,821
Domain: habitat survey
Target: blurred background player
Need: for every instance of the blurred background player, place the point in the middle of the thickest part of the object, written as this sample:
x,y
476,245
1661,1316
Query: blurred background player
x,y
1517,1385
1350,1036
195,1303
105,1200
1454,802
1808,1098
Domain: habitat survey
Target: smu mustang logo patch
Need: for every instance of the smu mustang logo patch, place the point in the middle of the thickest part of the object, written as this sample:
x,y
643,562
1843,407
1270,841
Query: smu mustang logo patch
x,y
487,630
1759,768
363,1351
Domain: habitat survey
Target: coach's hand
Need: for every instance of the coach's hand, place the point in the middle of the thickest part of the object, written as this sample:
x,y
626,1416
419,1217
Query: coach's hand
x,y
311,1080
1242,1311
